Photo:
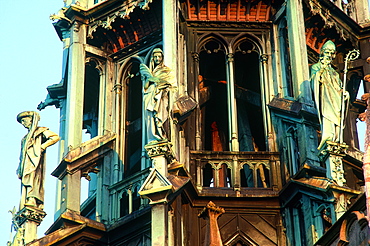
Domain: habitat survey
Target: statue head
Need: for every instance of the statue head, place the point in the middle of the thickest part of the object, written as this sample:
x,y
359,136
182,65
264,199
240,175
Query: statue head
x,y
157,57
327,52
29,119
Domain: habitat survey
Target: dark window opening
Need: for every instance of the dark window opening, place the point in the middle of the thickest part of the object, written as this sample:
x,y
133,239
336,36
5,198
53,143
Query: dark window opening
x,y
263,176
248,98
246,176
208,180
124,205
133,119
91,99
212,68
285,59
136,200
240,243
292,150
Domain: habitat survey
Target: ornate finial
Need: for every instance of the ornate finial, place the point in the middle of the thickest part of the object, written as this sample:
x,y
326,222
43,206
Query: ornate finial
x,y
210,213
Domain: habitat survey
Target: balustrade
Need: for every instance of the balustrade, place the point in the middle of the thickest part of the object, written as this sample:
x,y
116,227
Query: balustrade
x,y
237,171
124,195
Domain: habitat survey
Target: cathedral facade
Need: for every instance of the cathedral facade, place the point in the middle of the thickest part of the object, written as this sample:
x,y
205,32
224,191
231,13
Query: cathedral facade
x,y
191,101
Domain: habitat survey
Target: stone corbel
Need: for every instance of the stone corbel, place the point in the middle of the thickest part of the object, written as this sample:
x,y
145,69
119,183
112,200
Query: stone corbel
x,y
60,16
160,148
28,213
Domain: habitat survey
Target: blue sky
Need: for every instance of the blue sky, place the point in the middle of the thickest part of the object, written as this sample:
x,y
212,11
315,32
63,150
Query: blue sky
x,y
31,58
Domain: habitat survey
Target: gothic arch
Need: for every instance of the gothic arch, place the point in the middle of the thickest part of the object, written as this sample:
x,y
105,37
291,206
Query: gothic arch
x,y
204,39
242,37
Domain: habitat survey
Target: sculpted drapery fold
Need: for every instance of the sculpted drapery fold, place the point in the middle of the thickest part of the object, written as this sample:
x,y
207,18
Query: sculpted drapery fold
x,y
157,84
328,91
31,169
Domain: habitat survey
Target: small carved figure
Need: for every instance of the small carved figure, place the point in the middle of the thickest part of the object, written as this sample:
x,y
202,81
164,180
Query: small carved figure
x,y
328,89
31,168
157,83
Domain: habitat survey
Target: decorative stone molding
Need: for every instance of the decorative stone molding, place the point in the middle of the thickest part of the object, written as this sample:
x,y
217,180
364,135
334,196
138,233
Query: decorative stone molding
x,y
332,154
195,56
317,9
159,148
156,188
99,65
29,213
230,57
264,58
218,165
334,148
123,13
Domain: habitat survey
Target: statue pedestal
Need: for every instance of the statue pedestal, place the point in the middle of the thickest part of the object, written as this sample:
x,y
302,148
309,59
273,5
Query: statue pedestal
x,y
332,154
26,221
161,154
157,187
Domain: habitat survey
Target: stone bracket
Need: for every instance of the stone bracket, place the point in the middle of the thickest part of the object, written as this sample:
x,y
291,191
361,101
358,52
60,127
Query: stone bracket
x,y
28,213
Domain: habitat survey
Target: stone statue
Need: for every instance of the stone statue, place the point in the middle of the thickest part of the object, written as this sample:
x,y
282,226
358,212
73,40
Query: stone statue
x,y
327,88
157,83
31,168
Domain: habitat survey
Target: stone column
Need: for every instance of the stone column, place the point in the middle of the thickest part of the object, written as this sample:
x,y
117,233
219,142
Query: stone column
x,y
232,112
26,222
170,50
70,185
157,187
366,161
75,87
298,50
211,213
332,155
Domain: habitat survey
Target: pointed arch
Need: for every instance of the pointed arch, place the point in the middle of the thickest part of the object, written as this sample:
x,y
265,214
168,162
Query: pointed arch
x,y
249,92
130,115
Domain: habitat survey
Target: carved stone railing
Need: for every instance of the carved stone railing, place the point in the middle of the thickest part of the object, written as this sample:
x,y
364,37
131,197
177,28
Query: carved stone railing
x,y
124,195
236,173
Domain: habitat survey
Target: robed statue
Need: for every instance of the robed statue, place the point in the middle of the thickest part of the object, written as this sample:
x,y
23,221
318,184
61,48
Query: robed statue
x,y
157,83
328,94
31,168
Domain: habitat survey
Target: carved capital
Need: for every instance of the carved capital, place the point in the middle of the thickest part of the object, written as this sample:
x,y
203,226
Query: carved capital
x,y
230,57
29,214
264,58
158,148
195,56
117,88
333,148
